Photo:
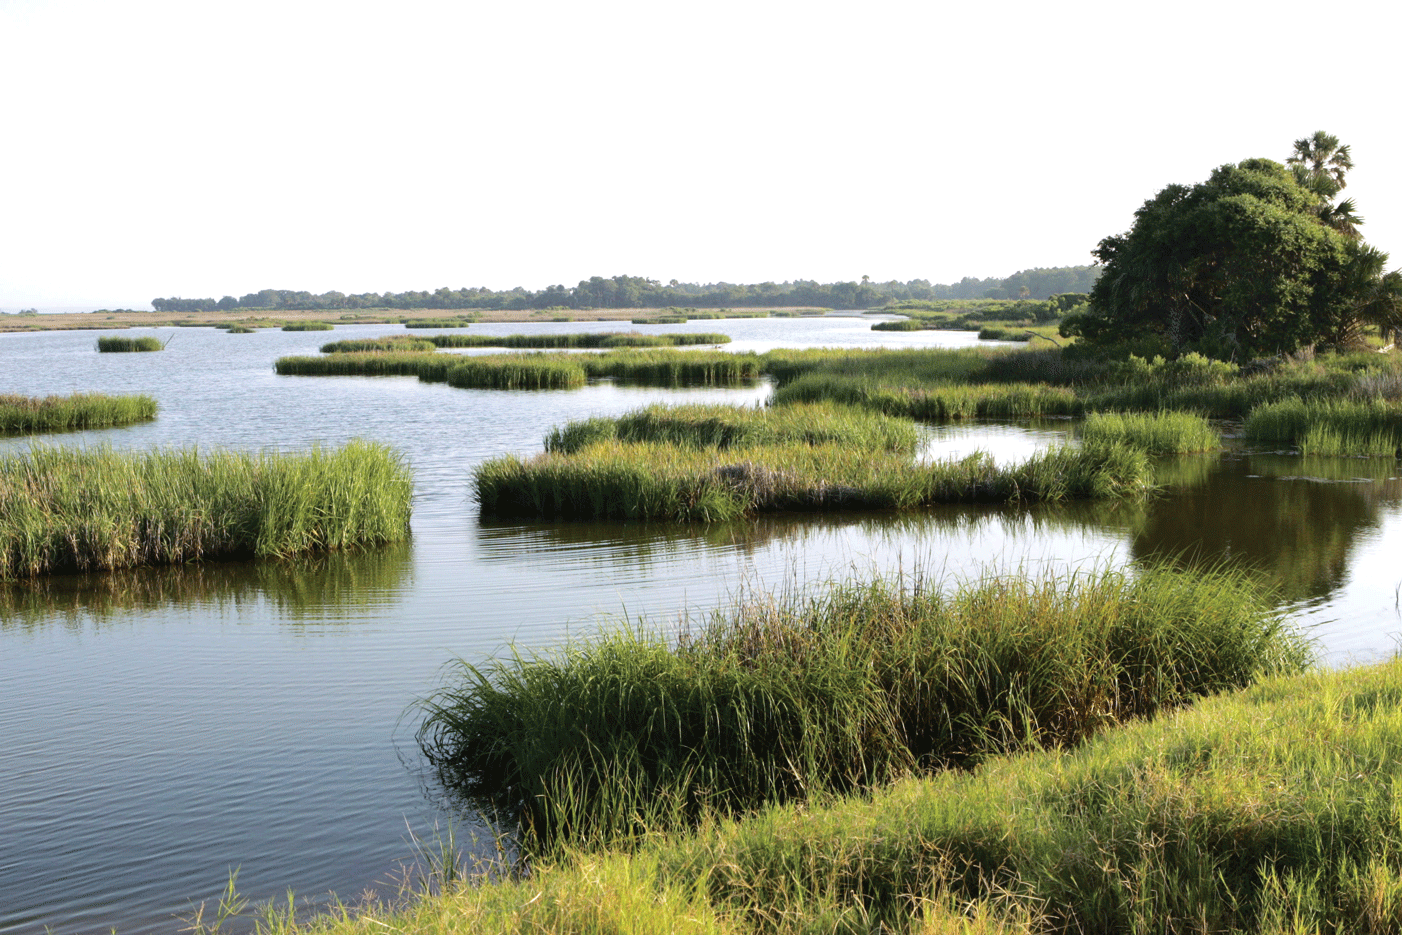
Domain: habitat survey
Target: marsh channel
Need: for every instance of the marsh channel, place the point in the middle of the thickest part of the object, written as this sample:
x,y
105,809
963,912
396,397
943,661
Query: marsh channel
x,y
162,729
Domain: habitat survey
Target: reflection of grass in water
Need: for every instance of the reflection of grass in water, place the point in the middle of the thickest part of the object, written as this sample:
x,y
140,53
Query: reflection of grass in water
x,y
333,586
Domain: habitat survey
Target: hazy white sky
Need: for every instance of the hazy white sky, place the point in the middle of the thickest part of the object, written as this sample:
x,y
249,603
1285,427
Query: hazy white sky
x,y
203,147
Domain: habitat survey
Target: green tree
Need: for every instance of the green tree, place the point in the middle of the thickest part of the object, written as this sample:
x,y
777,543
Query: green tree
x,y
1320,164
1239,266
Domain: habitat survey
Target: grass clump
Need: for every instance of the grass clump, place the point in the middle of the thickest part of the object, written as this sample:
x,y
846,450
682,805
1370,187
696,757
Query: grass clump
x,y
402,344
1157,433
792,697
517,372
674,368
720,426
436,323
79,411
938,402
612,480
1330,426
586,340
661,320
900,324
240,329
109,345
308,326
65,510
363,364
999,333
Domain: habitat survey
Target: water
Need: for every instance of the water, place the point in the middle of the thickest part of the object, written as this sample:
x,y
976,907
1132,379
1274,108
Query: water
x,y
162,728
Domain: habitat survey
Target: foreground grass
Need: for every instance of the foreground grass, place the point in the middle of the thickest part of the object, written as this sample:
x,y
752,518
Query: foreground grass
x,y
784,698
720,426
1269,810
108,345
613,480
79,411
67,509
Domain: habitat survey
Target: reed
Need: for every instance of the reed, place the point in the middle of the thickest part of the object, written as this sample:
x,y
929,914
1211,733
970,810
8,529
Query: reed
x,y
79,411
109,345
611,480
517,372
240,329
674,368
1156,433
900,324
603,339
436,323
65,510
363,364
790,697
932,402
308,326
660,320
402,344
998,333
1329,426
720,426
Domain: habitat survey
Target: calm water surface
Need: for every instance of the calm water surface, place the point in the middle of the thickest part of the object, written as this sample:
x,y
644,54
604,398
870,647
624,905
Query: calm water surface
x,y
159,729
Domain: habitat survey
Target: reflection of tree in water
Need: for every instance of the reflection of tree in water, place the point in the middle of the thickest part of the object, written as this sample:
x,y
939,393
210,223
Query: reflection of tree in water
x,y
332,586
1295,521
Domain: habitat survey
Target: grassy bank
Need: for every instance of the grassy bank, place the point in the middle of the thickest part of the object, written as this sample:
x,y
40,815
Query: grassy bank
x,y
612,480
308,326
785,698
79,411
1330,426
96,509
582,341
400,344
719,426
110,345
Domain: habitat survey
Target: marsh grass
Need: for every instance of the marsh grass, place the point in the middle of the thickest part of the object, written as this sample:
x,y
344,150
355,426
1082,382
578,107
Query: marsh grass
x,y
661,320
436,323
932,402
663,367
64,509
613,480
1330,426
400,343
240,329
720,426
79,411
365,363
785,697
517,372
308,326
1154,432
108,345
586,340
999,333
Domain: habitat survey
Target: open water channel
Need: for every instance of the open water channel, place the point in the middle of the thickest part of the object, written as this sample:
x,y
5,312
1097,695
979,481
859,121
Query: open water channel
x,y
161,729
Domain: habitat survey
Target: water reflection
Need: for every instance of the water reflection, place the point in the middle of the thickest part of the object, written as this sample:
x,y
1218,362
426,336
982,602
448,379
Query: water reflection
x,y
334,587
1296,521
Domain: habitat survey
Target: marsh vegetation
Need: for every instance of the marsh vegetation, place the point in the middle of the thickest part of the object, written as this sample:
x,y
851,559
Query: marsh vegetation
x,y
19,414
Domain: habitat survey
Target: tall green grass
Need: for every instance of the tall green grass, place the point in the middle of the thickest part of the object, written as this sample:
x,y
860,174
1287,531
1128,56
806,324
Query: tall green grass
x,y
1330,426
108,345
604,339
79,411
791,697
398,343
1155,432
517,372
436,323
364,363
308,326
64,509
720,426
674,368
932,402
611,480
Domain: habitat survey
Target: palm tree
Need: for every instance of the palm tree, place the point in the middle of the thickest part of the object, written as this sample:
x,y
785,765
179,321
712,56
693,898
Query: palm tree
x,y
1320,164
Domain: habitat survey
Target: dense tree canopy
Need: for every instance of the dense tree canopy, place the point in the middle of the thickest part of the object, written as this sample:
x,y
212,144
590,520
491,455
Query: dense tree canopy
x,y
1257,260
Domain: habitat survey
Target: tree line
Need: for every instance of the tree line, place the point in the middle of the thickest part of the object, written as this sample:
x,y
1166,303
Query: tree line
x,y
637,292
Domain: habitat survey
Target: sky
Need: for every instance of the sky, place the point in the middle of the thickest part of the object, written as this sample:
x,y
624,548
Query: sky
x,y
155,148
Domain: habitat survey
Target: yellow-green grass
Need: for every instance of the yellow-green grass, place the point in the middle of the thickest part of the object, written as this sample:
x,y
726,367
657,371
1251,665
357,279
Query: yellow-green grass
x,y
1155,432
660,320
603,339
937,402
665,367
400,343
365,363
786,697
79,411
109,345
1330,426
308,326
436,323
67,509
1000,333
721,426
518,372
614,480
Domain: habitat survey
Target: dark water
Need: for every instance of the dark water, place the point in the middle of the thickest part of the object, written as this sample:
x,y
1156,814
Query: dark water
x,y
161,728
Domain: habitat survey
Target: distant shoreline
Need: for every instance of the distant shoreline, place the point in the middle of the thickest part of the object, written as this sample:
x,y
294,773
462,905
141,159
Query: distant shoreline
x,y
270,318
